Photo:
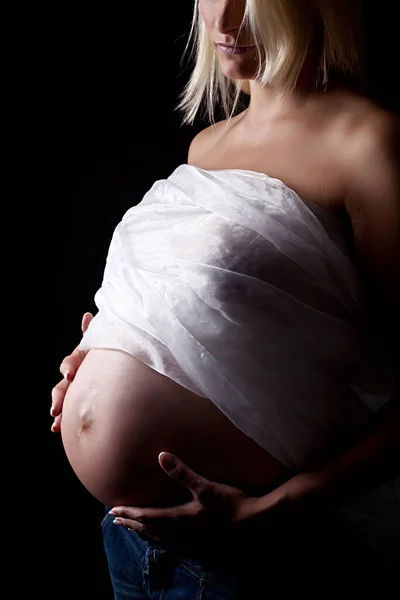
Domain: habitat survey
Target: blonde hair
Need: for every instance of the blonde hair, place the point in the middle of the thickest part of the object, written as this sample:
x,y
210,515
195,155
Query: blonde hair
x,y
282,31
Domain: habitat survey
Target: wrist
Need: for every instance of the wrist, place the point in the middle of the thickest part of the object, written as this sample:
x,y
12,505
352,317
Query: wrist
x,y
303,493
306,492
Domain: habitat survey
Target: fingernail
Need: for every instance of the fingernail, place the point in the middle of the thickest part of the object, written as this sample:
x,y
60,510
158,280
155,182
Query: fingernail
x,y
112,513
169,461
117,521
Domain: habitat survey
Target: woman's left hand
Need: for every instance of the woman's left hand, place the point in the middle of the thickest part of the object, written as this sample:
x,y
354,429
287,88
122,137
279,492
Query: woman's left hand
x,y
215,511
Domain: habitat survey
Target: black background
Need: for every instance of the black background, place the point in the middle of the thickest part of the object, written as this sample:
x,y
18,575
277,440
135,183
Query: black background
x,y
90,125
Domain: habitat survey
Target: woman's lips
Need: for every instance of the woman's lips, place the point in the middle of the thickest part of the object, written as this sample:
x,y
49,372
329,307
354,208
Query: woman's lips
x,y
234,49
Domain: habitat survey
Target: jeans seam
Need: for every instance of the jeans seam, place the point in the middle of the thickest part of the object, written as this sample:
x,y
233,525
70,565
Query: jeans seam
x,y
200,590
202,577
103,521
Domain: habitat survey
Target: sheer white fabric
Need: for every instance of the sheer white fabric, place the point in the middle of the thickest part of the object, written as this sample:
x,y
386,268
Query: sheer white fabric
x,y
229,283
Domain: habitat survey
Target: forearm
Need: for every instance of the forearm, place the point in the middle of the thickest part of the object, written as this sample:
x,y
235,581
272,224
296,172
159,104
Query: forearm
x,y
373,459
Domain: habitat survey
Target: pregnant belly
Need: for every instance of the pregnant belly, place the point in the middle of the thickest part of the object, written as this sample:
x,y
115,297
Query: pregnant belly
x,y
119,414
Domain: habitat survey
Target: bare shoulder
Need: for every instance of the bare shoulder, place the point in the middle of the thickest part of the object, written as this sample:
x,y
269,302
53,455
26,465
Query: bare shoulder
x,y
378,130
371,155
207,138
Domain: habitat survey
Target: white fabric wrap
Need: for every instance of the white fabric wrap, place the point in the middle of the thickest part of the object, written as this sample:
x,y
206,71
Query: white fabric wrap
x,y
230,284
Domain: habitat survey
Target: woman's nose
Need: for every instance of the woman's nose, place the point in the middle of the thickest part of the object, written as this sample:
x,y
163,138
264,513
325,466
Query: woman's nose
x,y
229,16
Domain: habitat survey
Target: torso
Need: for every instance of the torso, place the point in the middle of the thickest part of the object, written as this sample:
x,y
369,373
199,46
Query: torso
x,y
119,413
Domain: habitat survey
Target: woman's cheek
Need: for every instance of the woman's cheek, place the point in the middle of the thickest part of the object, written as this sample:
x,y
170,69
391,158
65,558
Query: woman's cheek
x,y
206,11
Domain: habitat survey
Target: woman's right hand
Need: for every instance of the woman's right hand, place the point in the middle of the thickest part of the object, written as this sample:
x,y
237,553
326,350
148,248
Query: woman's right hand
x,y
68,368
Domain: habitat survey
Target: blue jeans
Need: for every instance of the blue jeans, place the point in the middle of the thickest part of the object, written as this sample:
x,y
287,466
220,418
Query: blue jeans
x,y
142,570
313,560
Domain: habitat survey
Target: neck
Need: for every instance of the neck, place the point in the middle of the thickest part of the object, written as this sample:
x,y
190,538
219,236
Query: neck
x,y
275,101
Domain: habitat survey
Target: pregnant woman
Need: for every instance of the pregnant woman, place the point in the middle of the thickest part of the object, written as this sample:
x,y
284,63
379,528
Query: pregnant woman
x,y
247,322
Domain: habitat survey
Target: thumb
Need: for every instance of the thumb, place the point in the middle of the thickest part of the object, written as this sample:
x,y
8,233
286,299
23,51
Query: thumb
x,y
87,317
179,471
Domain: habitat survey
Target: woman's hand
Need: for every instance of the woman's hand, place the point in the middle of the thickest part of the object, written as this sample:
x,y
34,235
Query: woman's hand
x,y
68,369
216,511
